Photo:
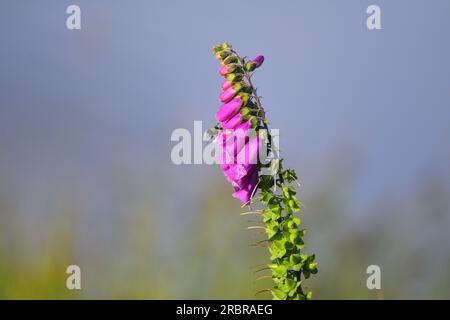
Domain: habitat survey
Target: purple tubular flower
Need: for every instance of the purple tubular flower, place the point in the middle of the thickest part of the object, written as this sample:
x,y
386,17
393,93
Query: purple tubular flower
x,y
227,84
237,172
239,148
242,173
238,138
223,71
224,166
232,123
225,159
258,60
245,193
231,142
228,110
242,182
249,154
227,95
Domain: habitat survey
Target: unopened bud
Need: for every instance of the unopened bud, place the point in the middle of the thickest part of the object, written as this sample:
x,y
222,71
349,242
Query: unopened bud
x,y
230,68
248,111
226,46
247,89
217,48
258,60
255,63
245,97
254,122
223,54
234,77
250,66
228,94
226,85
245,111
230,59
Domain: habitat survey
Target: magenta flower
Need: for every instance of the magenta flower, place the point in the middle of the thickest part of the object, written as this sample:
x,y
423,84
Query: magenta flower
x,y
229,93
249,153
242,182
228,110
223,70
245,193
237,172
224,158
229,68
232,123
243,172
226,85
224,166
237,139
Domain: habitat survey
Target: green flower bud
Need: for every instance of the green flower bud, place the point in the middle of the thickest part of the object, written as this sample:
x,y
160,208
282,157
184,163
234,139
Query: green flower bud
x,y
250,66
217,48
230,59
247,89
254,122
234,68
245,111
245,97
238,87
234,77
248,112
223,54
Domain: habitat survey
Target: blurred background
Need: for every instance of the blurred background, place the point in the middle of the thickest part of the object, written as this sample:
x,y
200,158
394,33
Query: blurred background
x,y
86,118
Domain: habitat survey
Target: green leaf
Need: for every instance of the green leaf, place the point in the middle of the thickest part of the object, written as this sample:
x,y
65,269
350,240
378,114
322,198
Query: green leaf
x,y
279,247
296,261
278,270
278,294
266,182
267,215
293,222
289,175
277,250
295,205
293,284
289,245
273,205
288,191
312,266
271,233
266,197
296,296
276,212
296,237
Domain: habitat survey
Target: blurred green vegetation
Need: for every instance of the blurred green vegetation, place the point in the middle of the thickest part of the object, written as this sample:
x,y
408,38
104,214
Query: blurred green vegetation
x,y
154,254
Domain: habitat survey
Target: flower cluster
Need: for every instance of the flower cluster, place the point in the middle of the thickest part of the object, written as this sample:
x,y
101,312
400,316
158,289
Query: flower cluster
x,y
241,122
